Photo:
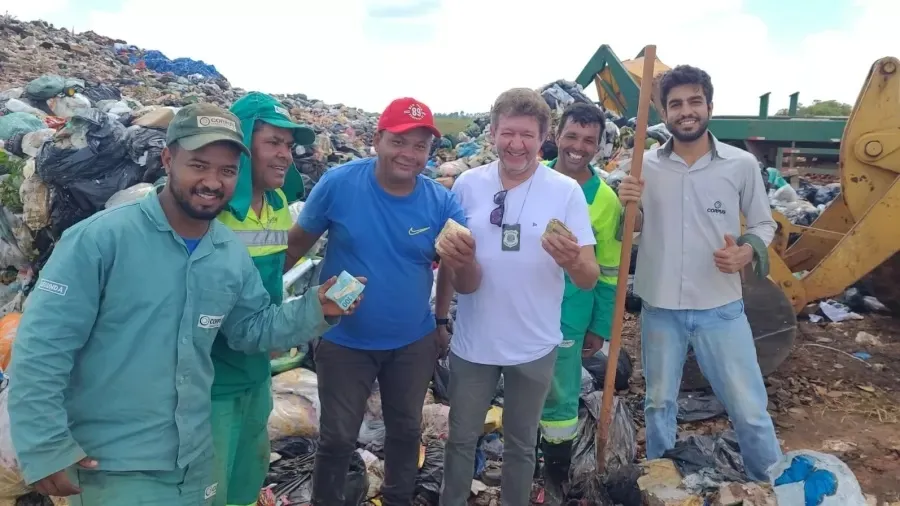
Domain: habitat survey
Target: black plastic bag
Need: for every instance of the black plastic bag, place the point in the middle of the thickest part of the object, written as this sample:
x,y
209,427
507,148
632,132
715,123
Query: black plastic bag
x,y
596,365
145,146
292,474
428,481
440,383
619,485
102,92
717,458
698,406
93,193
105,151
309,358
65,210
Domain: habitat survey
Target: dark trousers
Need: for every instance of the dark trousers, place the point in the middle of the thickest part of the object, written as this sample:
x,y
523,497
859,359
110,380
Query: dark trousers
x,y
346,377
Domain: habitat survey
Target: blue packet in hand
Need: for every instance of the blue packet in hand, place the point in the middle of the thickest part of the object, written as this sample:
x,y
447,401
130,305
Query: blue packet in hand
x,y
345,291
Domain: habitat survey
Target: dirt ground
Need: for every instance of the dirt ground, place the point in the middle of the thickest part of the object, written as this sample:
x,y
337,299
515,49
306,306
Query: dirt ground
x,y
823,398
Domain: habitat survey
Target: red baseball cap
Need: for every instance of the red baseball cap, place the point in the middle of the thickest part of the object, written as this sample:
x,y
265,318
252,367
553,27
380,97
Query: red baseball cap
x,y
405,114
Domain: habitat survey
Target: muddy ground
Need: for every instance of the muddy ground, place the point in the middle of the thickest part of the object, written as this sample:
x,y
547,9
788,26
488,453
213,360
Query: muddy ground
x,y
823,398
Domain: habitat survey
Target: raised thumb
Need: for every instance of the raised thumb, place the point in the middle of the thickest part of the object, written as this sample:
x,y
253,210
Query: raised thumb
x,y
729,241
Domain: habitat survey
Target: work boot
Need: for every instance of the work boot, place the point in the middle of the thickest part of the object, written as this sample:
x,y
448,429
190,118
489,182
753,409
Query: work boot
x,y
557,460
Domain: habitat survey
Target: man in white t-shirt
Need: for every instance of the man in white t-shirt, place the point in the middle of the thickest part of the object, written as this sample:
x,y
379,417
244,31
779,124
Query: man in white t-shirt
x,y
510,324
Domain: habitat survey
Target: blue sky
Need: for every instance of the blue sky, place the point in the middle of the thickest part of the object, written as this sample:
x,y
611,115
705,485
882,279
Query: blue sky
x,y
460,54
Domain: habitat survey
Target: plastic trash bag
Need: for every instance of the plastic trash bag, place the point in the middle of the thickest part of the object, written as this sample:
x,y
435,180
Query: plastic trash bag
x,y
596,365
587,382
66,107
11,482
295,405
659,132
808,478
95,193
290,477
374,472
89,147
65,210
717,459
50,85
698,406
15,105
102,92
492,446
145,146
431,474
371,435
19,123
620,483
32,141
88,158
129,194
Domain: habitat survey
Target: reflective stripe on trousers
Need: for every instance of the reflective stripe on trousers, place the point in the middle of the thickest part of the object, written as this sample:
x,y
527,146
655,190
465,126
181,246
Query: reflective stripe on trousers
x,y
559,431
609,270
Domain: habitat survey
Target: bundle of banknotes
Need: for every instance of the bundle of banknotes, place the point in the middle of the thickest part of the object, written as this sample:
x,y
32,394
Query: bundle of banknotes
x,y
451,228
555,226
345,291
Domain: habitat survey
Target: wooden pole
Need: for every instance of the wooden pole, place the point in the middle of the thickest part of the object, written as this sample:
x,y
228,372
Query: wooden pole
x,y
615,344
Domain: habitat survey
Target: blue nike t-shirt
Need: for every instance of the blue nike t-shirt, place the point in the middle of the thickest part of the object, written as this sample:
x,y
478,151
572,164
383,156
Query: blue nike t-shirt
x,y
389,240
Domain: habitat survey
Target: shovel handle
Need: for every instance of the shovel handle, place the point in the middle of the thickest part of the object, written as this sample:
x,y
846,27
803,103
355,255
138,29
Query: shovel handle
x,y
615,344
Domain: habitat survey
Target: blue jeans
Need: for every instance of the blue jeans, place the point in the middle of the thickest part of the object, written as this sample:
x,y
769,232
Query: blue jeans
x,y
723,344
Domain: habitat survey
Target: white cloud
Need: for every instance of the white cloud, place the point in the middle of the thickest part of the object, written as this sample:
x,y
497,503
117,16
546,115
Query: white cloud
x,y
466,53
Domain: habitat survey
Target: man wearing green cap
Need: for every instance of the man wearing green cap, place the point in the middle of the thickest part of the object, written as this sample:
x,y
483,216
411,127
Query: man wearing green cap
x,y
111,401
258,212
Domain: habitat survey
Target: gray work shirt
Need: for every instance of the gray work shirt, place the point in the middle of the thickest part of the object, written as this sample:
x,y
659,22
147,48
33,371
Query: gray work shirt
x,y
687,212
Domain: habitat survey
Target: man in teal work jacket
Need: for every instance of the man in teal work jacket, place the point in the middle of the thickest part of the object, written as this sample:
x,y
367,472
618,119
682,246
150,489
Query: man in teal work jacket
x,y
586,314
110,401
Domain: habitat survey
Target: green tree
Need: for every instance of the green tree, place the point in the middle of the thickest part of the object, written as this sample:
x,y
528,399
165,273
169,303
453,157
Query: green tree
x,y
820,108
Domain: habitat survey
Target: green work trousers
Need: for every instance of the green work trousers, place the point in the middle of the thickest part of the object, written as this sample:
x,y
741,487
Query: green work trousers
x,y
191,486
559,418
241,442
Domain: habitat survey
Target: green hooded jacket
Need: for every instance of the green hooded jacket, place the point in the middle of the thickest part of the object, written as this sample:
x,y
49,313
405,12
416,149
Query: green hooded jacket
x,y
265,237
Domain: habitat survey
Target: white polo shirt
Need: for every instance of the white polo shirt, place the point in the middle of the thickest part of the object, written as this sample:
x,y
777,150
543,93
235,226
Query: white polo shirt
x,y
514,316
687,212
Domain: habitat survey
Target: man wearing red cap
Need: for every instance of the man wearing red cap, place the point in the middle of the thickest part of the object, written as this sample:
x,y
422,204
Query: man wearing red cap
x,y
383,217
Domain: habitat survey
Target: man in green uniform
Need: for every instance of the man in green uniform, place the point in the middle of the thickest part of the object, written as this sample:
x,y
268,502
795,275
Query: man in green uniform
x,y
258,213
586,315
111,398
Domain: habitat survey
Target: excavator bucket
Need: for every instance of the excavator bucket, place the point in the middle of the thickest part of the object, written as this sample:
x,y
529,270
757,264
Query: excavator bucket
x,y
774,325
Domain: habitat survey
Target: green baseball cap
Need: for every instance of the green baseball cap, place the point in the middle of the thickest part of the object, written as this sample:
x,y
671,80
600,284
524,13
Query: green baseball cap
x,y
259,106
197,125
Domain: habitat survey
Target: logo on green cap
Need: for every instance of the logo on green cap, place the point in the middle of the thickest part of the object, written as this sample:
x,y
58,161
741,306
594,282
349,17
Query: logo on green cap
x,y
216,122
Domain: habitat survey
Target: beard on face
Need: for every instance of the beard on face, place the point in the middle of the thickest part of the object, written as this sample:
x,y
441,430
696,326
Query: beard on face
x,y
183,200
681,136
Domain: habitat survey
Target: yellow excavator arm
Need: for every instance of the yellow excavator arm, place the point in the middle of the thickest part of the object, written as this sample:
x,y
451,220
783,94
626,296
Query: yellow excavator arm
x,y
858,235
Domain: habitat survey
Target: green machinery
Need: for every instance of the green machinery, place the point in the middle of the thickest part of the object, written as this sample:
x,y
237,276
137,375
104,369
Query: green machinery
x,y
777,140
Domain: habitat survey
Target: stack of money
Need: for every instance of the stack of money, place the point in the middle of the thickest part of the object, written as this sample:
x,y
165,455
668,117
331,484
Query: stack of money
x,y
452,228
345,291
557,227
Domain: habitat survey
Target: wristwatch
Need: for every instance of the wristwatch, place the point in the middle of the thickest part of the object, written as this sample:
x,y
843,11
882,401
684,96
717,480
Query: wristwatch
x,y
442,321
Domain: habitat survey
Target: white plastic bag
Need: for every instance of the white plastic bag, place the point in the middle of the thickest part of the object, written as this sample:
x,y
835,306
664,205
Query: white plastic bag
x,y
12,484
808,478
295,410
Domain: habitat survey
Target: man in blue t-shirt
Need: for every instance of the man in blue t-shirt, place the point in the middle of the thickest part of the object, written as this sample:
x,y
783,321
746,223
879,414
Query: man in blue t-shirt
x,y
382,218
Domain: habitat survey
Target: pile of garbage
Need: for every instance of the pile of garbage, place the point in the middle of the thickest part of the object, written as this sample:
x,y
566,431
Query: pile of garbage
x,y
83,117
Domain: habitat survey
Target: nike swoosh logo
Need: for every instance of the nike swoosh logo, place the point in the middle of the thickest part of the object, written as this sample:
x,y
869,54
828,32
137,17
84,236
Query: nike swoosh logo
x,y
415,231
